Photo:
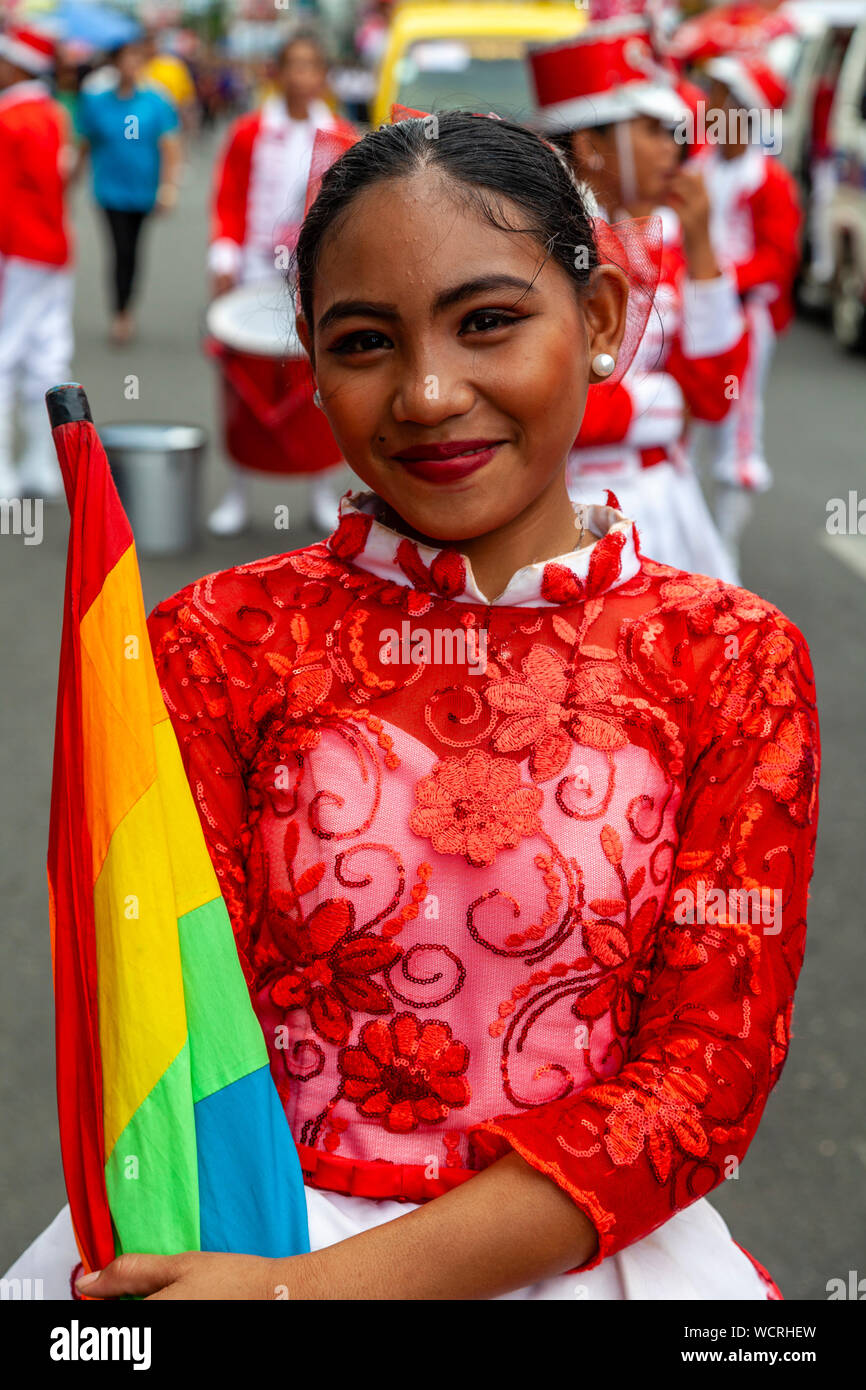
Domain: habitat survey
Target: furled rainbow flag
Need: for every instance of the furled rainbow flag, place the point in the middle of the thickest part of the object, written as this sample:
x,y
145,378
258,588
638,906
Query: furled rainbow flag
x,y
172,1134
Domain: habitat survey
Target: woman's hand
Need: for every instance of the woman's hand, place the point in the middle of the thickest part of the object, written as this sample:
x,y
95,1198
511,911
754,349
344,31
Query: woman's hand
x,y
166,198
221,284
689,198
195,1275
508,1227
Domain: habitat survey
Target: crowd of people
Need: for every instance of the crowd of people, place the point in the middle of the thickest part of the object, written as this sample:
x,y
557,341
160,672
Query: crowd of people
x,y
613,107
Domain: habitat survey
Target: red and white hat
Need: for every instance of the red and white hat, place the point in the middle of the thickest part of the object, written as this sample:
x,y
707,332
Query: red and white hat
x,y
609,73
27,49
750,81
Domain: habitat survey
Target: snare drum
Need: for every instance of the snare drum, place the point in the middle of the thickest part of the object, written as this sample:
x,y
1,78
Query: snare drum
x,y
270,422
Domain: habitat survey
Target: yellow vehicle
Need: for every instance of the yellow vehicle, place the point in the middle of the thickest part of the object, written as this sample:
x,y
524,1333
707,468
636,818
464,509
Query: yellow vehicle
x,y
468,54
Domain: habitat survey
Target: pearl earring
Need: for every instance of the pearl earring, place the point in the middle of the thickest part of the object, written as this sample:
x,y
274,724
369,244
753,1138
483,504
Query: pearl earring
x,y
317,399
603,364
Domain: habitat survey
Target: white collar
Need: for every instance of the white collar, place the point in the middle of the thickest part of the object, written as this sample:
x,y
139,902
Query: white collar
x,y
275,115
28,89
612,559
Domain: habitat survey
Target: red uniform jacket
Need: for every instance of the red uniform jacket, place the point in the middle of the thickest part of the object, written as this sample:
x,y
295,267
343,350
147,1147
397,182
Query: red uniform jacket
x,y
776,217
756,227
694,342
33,135
245,187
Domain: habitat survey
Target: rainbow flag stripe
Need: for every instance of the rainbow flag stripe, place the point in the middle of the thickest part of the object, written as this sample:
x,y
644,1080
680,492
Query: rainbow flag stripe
x,y
172,1133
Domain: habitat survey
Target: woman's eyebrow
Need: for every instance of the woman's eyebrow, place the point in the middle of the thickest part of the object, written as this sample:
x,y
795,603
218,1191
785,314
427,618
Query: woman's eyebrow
x,y
483,284
352,308
365,308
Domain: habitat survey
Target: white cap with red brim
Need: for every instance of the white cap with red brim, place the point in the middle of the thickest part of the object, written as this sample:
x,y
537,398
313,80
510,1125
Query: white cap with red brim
x,y
27,49
749,80
607,74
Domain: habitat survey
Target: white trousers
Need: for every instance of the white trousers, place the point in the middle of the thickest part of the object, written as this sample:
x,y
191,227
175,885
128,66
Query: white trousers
x,y
35,353
667,505
824,183
737,443
690,1257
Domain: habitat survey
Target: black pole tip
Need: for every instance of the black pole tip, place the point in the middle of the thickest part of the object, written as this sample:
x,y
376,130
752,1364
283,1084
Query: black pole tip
x,y
66,404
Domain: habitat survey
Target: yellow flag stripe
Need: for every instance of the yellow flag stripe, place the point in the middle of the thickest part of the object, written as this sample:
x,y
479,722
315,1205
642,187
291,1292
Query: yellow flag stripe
x,y
142,1018
120,702
195,881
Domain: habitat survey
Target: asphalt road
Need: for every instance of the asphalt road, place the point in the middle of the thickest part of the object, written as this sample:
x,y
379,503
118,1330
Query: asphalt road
x,y
798,1203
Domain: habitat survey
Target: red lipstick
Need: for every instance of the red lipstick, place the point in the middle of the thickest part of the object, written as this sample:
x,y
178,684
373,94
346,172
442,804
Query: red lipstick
x,y
447,461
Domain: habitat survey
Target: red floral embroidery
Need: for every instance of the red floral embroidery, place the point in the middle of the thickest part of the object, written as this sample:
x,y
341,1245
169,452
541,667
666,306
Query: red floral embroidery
x,y
350,536
787,768
547,705
624,1052
605,563
535,711
709,605
330,965
475,806
656,1118
561,585
331,975
406,1073
446,575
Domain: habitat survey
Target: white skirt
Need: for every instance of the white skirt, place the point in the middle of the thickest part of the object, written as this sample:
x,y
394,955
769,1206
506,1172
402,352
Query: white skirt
x,y
692,1256
674,523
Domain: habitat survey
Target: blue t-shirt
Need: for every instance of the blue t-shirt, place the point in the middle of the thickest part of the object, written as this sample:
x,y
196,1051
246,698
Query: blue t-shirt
x,y
124,135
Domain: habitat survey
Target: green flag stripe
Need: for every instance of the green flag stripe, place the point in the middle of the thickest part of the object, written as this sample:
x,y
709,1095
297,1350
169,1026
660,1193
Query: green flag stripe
x,y
226,1041
152,1173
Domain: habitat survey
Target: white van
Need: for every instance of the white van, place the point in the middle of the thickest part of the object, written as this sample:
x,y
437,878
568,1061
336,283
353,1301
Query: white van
x,y
847,213
810,60
804,58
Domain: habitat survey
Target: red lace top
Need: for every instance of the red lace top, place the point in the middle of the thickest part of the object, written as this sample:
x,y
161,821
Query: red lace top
x,y
528,874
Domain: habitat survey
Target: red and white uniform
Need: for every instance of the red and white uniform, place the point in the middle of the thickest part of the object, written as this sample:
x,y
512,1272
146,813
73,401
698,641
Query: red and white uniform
x,y
35,278
633,433
260,187
633,439
755,227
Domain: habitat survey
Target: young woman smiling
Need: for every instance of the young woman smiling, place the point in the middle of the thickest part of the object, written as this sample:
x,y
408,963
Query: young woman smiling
x,y
451,888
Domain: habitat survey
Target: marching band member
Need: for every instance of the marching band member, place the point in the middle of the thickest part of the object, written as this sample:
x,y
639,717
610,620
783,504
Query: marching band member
x,y
258,207
497,924
36,285
755,229
610,108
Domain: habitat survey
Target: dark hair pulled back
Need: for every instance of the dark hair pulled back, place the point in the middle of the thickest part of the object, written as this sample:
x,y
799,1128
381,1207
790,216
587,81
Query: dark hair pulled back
x,y
490,159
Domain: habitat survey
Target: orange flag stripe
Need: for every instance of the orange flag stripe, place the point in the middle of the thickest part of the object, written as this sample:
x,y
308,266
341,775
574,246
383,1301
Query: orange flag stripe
x,y
120,702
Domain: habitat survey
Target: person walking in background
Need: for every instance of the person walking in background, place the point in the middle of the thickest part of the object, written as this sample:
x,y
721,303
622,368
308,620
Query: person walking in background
x,y
66,83
36,285
755,228
258,206
130,132
169,75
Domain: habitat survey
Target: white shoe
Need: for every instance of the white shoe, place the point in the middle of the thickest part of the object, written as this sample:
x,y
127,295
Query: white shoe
x,y
9,484
42,483
324,506
232,516
41,478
